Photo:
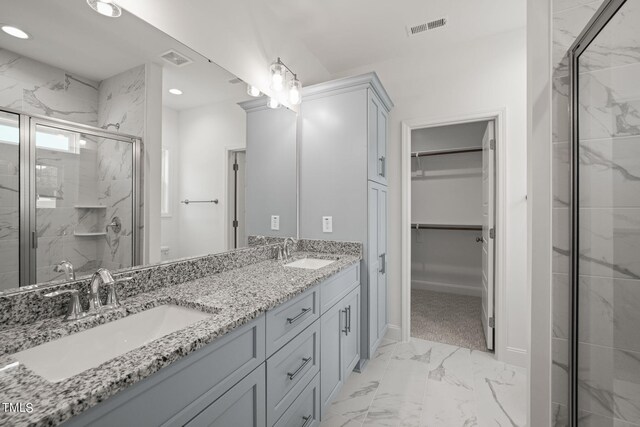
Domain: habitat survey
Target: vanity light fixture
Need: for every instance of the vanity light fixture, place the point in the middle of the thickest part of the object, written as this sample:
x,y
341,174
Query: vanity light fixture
x,y
15,32
279,80
105,7
273,102
253,91
175,91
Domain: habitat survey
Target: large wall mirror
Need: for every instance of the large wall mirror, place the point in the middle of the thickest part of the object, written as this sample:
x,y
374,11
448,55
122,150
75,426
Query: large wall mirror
x,y
120,146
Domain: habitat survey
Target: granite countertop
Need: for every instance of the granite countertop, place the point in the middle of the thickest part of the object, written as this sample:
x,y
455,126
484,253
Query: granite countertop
x,y
233,298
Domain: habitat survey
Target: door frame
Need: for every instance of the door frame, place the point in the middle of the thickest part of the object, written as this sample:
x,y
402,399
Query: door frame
x,y
226,199
498,116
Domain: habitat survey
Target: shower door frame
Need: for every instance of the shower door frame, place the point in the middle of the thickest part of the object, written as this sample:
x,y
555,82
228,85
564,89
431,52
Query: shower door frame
x,y
27,185
597,23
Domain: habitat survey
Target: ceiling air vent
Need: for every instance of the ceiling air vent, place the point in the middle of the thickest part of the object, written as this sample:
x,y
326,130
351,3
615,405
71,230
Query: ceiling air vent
x,y
174,57
426,26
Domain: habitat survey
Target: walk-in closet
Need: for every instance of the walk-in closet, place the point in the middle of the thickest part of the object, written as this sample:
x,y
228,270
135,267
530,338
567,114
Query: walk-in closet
x,y
452,234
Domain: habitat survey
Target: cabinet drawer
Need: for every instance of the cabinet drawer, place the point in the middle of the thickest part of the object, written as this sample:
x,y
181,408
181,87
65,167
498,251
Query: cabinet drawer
x,y
243,405
289,319
338,286
176,393
305,410
291,369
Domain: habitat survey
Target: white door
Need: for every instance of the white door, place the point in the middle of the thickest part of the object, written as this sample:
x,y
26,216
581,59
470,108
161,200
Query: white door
x,y
488,232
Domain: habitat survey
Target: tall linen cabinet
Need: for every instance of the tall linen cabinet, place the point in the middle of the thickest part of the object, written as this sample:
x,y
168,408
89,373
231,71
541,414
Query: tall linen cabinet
x,y
343,133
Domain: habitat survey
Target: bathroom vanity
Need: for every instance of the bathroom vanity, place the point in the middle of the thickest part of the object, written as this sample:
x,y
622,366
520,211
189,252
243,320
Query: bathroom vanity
x,y
265,343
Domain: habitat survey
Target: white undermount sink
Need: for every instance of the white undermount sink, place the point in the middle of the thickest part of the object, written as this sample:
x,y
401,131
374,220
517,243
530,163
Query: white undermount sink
x,y
68,356
310,263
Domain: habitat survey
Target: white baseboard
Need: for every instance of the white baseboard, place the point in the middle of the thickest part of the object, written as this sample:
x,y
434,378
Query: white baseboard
x,y
394,332
516,356
446,287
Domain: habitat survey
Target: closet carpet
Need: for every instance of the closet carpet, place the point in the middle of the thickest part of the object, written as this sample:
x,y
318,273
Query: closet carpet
x,y
447,318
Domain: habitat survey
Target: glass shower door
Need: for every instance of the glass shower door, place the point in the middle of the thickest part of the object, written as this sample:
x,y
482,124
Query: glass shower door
x,y
84,201
9,200
606,271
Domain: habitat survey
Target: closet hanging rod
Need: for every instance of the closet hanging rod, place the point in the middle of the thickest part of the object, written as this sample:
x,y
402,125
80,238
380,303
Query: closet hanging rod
x,y
421,226
441,152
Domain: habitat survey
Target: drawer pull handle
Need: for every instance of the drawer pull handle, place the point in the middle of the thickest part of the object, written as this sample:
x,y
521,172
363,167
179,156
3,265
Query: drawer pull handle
x,y
305,361
346,321
307,420
302,313
349,317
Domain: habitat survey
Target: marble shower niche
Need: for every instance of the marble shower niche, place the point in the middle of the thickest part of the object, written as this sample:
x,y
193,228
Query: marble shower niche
x,y
83,181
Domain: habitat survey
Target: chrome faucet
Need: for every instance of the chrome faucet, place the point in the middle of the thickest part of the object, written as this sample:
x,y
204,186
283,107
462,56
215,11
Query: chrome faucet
x,y
286,248
102,276
67,268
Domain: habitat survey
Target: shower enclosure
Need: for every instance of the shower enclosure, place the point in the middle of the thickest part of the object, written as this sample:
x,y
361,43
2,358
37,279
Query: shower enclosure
x,y
67,192
604,344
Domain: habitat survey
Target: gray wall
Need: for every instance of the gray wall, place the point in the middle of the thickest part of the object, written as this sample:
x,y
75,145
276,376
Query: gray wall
x,y
271,172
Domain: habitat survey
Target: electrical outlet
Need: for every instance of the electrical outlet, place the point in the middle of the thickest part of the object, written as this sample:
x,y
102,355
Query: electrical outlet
x,y
327,224
275,222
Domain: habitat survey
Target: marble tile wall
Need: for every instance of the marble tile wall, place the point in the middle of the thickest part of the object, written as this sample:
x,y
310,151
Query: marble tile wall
x,y
609,350
9,207
121,100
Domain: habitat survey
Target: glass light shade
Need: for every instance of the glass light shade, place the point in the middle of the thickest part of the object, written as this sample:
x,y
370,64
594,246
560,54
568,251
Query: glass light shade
x,y
273,103
277,76
253,91
295,92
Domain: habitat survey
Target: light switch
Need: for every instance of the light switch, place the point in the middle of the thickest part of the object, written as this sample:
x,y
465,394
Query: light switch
x,y
275,222
327,224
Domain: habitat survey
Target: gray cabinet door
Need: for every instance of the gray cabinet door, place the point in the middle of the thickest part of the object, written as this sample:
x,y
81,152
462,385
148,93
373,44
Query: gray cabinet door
x,y
371,295
243,405
377,139
331,380
350,346
377,266
382,262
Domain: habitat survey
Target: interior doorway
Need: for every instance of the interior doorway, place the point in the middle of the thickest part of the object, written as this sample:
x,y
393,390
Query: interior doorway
x,y
236,190
450,229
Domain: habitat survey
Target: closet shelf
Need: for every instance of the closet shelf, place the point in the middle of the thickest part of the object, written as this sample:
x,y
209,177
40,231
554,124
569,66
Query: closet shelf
x,y
449,151
422,226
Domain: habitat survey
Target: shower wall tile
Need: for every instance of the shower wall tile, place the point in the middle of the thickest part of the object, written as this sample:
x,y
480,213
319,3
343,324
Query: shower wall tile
x,y
562,175
121,100
560,370
618,45
610,172
38,88
9,279
609,382
567,25
560,239
587,419
609,312
610,243
9,217
560,106
610,103
560,283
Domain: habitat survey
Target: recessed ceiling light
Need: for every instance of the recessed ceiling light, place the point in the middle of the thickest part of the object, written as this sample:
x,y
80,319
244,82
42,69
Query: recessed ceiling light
x,y
175,91
105,7
15,32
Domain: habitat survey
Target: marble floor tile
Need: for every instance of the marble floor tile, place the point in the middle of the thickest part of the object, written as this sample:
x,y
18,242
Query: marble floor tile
x,y
423,383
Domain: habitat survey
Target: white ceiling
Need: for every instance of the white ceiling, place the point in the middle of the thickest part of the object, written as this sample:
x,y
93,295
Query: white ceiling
x,y
347,34
69,35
